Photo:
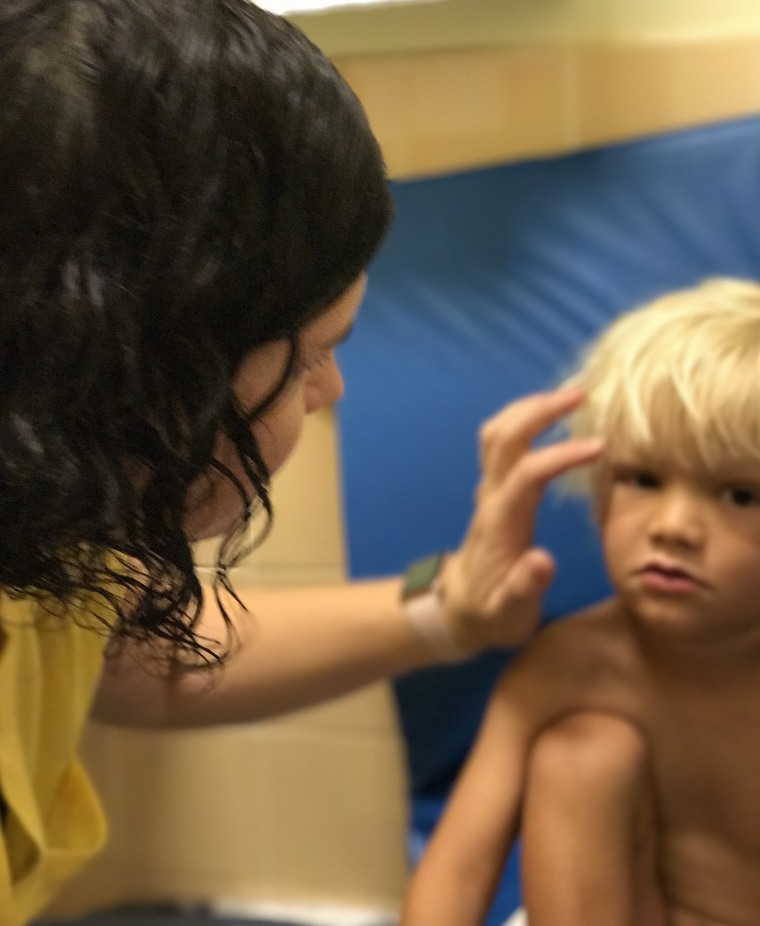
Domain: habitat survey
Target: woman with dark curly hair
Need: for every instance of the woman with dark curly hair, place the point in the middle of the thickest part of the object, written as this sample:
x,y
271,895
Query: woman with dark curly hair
x,y
189,198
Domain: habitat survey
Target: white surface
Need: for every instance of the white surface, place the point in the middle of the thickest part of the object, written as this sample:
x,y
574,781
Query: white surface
x,y
308,914
314,6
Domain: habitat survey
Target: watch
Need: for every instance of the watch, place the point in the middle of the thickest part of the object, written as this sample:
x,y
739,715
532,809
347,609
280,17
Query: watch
x,y
422,601
422,577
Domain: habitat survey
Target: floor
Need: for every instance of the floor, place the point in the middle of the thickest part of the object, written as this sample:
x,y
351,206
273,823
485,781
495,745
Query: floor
x,y
160,916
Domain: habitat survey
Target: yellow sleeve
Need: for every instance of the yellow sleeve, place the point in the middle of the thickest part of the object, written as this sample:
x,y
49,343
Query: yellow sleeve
x,y
49,668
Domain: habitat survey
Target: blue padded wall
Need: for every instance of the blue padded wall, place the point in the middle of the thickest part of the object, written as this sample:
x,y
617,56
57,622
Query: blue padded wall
x,y
487,287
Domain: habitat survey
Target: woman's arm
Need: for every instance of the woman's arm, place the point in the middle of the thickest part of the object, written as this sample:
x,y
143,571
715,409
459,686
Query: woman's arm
x,y
297,646
303,645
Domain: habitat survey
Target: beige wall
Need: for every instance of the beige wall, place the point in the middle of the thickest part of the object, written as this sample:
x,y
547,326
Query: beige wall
x,y
477,24
452,110
311,808
465,83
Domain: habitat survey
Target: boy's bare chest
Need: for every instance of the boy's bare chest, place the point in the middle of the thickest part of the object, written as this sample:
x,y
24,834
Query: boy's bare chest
x,y
704,746
706,763
704,740
707,776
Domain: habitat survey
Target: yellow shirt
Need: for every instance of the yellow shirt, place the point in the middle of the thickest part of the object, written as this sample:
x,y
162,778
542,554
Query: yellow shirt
x,y
54,823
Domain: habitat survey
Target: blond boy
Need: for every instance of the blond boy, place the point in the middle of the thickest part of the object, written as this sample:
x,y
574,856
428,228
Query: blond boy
x,y
624,742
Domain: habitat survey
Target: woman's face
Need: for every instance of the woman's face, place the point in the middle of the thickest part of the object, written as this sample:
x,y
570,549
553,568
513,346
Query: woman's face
x,y
214,505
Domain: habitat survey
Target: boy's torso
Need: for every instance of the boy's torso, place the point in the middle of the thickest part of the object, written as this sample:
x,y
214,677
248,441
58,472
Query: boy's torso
x,y
703,731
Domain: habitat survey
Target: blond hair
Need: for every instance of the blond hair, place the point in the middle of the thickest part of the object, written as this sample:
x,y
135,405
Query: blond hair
x,y
678,378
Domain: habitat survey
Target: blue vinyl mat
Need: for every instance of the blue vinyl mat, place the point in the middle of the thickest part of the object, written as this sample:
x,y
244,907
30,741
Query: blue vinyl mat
x,y
489,284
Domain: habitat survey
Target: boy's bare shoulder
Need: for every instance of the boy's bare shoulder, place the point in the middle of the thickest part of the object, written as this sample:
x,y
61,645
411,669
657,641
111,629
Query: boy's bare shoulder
x,y
589,660
600,630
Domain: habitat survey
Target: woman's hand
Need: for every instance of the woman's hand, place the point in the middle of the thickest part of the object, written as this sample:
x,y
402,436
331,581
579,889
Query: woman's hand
x,y
493,584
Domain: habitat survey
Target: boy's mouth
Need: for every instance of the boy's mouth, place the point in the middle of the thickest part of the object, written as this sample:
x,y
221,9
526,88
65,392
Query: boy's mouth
x,y
669,578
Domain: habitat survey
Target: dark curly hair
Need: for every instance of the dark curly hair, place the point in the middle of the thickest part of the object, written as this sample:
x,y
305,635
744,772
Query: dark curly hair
x,y
181,181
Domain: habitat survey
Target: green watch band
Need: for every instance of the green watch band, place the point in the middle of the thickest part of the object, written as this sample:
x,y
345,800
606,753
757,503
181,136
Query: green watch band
x,y
423,604
420,576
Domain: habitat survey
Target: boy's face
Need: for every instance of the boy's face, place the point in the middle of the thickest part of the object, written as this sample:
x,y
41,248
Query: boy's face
x,y
682,545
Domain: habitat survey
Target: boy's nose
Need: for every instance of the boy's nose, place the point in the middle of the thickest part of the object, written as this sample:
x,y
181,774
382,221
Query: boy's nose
x,y
677,520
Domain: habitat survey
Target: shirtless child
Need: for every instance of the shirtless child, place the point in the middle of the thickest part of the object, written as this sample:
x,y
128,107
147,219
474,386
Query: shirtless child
x,y
624,743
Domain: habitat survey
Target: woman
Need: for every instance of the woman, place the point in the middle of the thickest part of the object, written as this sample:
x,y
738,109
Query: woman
x,y
189,199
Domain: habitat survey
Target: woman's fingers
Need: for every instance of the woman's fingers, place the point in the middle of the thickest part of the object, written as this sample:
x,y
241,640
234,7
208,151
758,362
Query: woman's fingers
x,y
495,581
509,434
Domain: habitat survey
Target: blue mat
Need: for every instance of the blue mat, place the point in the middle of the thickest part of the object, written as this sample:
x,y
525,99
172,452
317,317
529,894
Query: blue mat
x,y
488,286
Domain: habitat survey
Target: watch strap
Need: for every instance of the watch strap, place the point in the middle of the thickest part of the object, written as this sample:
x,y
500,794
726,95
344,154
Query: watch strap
x,y
423,604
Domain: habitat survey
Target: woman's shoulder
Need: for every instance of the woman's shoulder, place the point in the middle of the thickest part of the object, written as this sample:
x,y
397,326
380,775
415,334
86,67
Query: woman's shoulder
x,y
39,638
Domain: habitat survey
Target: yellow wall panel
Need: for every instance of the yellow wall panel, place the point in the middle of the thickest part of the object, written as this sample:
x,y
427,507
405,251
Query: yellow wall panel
x,y
471,24
439,112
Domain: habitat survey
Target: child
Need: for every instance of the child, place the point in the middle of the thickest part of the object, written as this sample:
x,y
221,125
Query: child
x,y
621,743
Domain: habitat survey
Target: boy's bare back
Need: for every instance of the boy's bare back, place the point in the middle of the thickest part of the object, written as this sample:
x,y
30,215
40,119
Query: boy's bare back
x,y
698,710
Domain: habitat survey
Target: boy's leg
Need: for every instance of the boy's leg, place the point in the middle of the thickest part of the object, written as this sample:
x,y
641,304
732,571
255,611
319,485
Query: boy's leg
x,y
589,827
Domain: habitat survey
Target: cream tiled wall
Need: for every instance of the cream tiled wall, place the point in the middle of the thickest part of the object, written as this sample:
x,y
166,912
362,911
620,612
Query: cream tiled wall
x,y
312,807
305,810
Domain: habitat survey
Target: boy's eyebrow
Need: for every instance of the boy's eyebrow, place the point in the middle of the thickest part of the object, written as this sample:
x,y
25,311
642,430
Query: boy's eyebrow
x,y
633,459
739,469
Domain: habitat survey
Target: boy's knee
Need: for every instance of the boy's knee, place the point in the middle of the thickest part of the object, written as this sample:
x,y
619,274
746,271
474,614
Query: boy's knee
x,y
589,750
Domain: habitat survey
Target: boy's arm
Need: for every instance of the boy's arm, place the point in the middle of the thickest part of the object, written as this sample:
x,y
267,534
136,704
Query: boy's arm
x,y
457,877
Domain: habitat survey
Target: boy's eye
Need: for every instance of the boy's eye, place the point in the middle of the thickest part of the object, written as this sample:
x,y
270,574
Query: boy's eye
x,y
645,480
636,478
742,496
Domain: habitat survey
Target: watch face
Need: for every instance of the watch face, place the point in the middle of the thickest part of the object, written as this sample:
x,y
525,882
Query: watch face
x,y
421,575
